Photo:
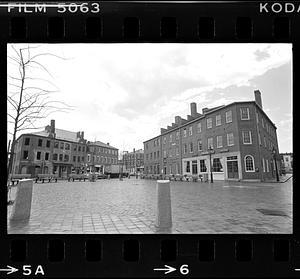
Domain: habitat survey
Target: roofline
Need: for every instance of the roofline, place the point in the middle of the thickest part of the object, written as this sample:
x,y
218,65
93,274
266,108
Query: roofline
x,y
107,146
212,111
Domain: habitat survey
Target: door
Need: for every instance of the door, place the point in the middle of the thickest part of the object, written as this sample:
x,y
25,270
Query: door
x,y
232,169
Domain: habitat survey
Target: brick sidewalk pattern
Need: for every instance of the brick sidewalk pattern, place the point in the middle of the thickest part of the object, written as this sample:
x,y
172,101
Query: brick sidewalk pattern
x,y
129,207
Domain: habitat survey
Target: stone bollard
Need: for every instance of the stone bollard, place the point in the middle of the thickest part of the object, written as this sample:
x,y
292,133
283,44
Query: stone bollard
x,y
164,209
22,203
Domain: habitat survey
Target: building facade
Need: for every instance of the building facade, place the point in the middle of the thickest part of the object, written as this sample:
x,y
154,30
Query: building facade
x,y
51,151
234,142
134,161
101,156
287,162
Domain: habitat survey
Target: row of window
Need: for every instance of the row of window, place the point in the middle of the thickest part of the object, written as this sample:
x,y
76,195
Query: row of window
x,y
270,130
98,159
40,142
267,143
98,150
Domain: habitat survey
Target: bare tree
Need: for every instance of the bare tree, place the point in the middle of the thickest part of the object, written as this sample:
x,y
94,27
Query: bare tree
x,y
29,101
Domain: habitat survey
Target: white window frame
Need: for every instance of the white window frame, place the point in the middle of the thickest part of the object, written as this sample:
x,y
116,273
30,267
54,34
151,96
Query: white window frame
x,y
218,120
245,164
228,139
227,115
219,145
208,145
199,127
264,167
184,132
250,136
267,164
190,130
248,115
209,127
191,144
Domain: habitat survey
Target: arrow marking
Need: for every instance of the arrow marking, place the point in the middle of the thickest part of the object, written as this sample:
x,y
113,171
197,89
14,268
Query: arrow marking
x,y
167,269
9,269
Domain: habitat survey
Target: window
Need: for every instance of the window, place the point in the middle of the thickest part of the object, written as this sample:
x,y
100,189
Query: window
x,y
60,157
247,139
218,120
67,146
78,159
25,155
185,148
38,155
48,143
61,145
46,156
171,137
74,158
40,142
190,130
75,148
89,157
249,163
164,140
56,144
199,145
154,143
151,156
79,148
157,154
210,143
267,164
209,123
191,147
27,141
165,153
230,139
83,149
154,155
188,166
217,165
263,164
194,167
202,166
55,157
199,128
263,123
177,135
244,113
66,158
219,141
184,132
228,116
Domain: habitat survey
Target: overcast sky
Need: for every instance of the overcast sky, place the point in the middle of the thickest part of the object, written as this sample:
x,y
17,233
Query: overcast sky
x,y
124,93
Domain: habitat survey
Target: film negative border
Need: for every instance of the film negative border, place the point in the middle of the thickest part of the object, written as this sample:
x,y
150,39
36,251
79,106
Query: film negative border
x,y
152,255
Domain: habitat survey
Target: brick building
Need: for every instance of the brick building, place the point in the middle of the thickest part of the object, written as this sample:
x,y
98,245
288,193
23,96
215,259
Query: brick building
x,y
101,156
51,151
134,161
239,138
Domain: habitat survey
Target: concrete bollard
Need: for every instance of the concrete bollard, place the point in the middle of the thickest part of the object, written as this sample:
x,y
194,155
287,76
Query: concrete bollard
x,y
22,203
164,209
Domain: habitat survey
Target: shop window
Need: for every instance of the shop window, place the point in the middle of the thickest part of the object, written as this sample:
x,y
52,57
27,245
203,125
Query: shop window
x,y
202,166
217,165
194,167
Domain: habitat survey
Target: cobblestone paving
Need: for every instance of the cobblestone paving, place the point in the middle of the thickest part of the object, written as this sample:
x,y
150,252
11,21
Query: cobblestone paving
x,y
129,206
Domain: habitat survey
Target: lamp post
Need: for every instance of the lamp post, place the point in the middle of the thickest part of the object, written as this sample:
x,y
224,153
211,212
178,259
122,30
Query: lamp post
x,y
274,157
210,150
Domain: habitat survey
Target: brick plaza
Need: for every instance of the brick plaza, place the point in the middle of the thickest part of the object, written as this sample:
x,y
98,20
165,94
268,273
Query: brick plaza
x,y
129,207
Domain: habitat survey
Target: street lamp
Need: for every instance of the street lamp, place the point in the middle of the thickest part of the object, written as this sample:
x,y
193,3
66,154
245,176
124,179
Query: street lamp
x,y
210,150
274,157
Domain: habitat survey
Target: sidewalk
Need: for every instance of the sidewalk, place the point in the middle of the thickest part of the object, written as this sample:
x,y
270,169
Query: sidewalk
x,y
282,179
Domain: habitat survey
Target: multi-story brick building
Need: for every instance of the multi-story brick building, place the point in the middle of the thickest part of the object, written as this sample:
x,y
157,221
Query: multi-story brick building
x,y
134,161
101,156
52,151
239,138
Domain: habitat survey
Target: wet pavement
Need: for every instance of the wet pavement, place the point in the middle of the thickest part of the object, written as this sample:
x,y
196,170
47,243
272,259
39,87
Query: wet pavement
x,y
129,206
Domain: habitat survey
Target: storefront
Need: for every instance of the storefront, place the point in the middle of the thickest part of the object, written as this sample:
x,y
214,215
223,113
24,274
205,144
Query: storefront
x,y
224,166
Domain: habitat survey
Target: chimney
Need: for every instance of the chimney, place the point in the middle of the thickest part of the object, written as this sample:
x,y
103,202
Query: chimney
x,y
177,120
82,135
169,127
257,95
193,109
189,117
52,126
108,143
204,110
